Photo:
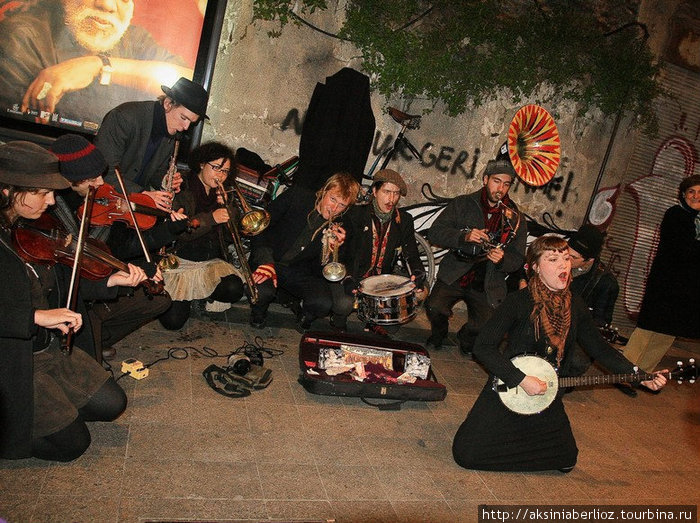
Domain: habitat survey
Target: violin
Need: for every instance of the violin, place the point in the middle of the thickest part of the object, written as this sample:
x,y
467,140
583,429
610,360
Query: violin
x,y
43,241
110,207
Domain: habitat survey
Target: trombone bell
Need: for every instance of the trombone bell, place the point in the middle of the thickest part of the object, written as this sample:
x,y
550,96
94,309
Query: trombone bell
x,y
254,222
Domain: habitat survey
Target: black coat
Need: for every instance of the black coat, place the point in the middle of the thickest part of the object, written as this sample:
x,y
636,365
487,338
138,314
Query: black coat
x,y
288,218
448,231
495,438
17,332
401,242
671,303
599,289
338,130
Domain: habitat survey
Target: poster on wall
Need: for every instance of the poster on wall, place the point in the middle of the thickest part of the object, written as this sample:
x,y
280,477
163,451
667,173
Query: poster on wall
x,y
66,63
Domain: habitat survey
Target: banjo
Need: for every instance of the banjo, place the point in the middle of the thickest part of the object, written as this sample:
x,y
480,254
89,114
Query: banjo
x,y
518,401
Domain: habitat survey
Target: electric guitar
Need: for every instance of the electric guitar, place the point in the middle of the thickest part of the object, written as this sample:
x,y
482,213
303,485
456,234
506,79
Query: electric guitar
x,y
520,402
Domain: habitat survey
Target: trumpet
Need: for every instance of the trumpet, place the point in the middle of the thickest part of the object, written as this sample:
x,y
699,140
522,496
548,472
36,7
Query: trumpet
x,y
255,224
332,270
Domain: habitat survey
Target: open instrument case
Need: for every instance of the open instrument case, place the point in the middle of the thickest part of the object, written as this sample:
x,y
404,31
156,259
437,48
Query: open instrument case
x,y
383,361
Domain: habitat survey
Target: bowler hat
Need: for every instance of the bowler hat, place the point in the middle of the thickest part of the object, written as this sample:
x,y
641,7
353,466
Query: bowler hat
x,y
388,175
26,164
191,95
78,159
587,241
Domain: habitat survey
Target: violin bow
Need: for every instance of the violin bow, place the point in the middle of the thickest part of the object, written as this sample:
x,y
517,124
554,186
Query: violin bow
x,y
72,301
131,212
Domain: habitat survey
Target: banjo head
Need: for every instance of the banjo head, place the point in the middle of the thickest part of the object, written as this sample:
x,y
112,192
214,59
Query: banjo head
x,y
517,400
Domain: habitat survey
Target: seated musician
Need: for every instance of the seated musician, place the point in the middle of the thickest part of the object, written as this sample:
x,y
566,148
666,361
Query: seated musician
x,y
288,254
140,138
545,319
84,166
596,285
381,233
209,276
45,396
484,249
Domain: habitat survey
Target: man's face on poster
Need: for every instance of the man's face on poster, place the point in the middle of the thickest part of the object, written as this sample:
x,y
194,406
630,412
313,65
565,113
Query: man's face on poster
x,y
98,25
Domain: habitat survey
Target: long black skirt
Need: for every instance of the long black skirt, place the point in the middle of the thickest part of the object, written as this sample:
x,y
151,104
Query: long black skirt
x,y
495,438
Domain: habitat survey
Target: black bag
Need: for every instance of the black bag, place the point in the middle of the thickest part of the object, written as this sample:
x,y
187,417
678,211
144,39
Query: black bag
x,y
314,346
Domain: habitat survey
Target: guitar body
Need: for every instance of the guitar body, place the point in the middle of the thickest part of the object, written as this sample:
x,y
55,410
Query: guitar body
x,y
516,399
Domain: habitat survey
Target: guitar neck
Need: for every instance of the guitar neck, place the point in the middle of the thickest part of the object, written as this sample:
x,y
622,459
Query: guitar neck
x,y
604,379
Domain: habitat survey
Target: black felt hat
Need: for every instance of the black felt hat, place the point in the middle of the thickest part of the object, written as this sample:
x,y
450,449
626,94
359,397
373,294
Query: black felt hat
x,y
191,95
26,164
587,241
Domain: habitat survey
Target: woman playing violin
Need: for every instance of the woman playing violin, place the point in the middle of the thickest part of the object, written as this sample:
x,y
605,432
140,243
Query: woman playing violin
x,y
111,320
45,396
210,277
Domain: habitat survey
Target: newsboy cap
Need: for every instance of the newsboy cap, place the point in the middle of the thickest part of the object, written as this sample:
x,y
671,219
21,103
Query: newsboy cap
x,y
388,175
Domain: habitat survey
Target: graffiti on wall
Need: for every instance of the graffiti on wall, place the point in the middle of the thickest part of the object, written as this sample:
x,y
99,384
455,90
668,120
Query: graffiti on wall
x,y
674,160
449,160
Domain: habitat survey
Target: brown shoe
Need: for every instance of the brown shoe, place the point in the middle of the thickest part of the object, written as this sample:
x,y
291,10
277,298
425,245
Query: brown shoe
x,y
108,353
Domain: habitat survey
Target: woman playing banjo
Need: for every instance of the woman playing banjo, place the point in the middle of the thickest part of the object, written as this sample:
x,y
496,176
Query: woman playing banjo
x,y
545,320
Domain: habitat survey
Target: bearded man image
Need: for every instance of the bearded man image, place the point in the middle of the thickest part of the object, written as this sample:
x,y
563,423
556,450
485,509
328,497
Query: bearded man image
x,y
79,58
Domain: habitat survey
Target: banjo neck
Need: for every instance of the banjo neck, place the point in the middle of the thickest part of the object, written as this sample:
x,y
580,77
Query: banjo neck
x,y
605,379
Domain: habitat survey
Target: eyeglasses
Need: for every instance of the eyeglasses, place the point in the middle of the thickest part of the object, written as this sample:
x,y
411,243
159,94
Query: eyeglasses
x,y
219,168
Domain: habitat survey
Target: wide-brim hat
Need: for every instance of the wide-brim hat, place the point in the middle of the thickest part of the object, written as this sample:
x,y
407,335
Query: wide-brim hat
x,y
391,176
191,95
78,159
26,164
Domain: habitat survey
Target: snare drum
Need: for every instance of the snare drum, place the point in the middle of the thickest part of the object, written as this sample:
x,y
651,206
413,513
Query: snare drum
x,y
387,299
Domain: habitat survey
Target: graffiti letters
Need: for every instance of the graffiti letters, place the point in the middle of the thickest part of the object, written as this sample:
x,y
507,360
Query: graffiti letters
x,y
556,189
293,119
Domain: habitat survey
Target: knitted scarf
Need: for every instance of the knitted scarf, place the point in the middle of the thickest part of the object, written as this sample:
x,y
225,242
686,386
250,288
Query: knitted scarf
x,y
552,312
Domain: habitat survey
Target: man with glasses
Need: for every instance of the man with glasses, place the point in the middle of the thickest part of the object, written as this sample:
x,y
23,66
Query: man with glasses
x,y
288,257
139,138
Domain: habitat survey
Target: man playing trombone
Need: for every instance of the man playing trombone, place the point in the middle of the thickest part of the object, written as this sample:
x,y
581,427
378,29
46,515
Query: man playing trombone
x,y
302,239
487,242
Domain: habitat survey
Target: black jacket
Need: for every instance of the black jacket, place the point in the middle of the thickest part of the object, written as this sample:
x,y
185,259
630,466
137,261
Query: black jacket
x,y
288,218
17,333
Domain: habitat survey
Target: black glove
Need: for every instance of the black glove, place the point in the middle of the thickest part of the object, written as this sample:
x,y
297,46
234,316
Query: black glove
x,y
149,268
177,227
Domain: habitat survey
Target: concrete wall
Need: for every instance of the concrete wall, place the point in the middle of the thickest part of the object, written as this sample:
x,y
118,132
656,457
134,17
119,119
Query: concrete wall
x,y
262,87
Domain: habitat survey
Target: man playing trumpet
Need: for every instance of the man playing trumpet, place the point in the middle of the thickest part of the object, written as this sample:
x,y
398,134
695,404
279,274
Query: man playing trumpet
x,y
289,255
